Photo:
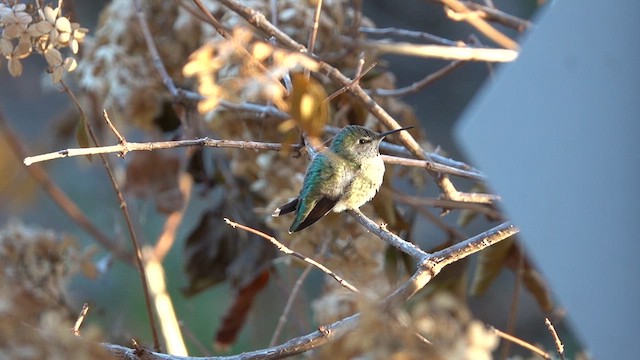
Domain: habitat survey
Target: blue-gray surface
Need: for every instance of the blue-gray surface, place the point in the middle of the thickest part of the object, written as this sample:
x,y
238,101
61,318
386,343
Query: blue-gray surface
x,y
557,133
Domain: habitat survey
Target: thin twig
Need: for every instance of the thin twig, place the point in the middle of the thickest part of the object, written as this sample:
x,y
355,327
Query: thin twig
x,y
125,211
60,198
153,51
490,13
418,85
126,147
436,51
269,110
292,296
556,338
167,319
282,320
459,9
392,239
260,21
288,251
448,204
522,343
150,146
106,118
274,11
83,314
412,34
515,303
211,19
472,245
356,79
433,166
314,29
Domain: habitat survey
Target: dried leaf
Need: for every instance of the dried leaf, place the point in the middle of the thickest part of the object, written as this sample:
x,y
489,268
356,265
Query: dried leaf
x,y
17,188
208,252
215,252
490,263
307,105
536,285
235,317
82,135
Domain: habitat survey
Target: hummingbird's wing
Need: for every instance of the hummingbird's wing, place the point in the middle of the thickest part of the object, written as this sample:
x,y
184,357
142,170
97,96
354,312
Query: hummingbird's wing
x,y
320,209
319,194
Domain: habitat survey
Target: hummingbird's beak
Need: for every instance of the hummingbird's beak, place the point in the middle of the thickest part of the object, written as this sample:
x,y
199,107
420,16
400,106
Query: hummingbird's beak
x,y
382,135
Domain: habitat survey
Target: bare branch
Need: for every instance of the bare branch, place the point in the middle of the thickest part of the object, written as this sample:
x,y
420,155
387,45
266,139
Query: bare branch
x,y
475,244
384,234
78,323
153,51
258,20
418,85
522,343
460,12
127,146
356,79
289,304
490,13
556,338
257,108
288,251
448,204
314,28
121,138
162,303
436,51
419,35
150,146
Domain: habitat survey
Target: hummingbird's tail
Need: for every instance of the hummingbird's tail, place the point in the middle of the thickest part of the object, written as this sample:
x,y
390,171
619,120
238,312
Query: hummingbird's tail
x,y
286,208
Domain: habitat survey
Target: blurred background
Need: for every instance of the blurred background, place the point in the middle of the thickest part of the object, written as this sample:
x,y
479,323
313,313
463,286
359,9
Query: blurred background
x,y
39,114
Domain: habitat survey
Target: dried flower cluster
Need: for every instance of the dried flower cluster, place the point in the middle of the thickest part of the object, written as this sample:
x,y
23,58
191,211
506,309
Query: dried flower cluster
x,y
35,321
26,29
443,320
256,80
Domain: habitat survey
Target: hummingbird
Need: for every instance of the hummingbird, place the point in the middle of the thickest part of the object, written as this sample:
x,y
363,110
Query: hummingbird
x,y
344,176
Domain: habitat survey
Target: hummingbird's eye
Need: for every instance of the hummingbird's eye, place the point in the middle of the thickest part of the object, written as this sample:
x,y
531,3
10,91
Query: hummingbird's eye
x,y
364,141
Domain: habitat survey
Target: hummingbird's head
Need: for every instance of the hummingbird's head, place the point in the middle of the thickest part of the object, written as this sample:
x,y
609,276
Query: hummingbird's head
x,y
356,142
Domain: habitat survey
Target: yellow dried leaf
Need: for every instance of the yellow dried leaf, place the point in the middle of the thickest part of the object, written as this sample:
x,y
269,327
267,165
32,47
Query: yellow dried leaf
x,y
307,105
262,50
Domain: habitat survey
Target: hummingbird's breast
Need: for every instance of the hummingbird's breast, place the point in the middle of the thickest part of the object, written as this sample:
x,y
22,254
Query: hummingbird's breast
x,y
365,184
